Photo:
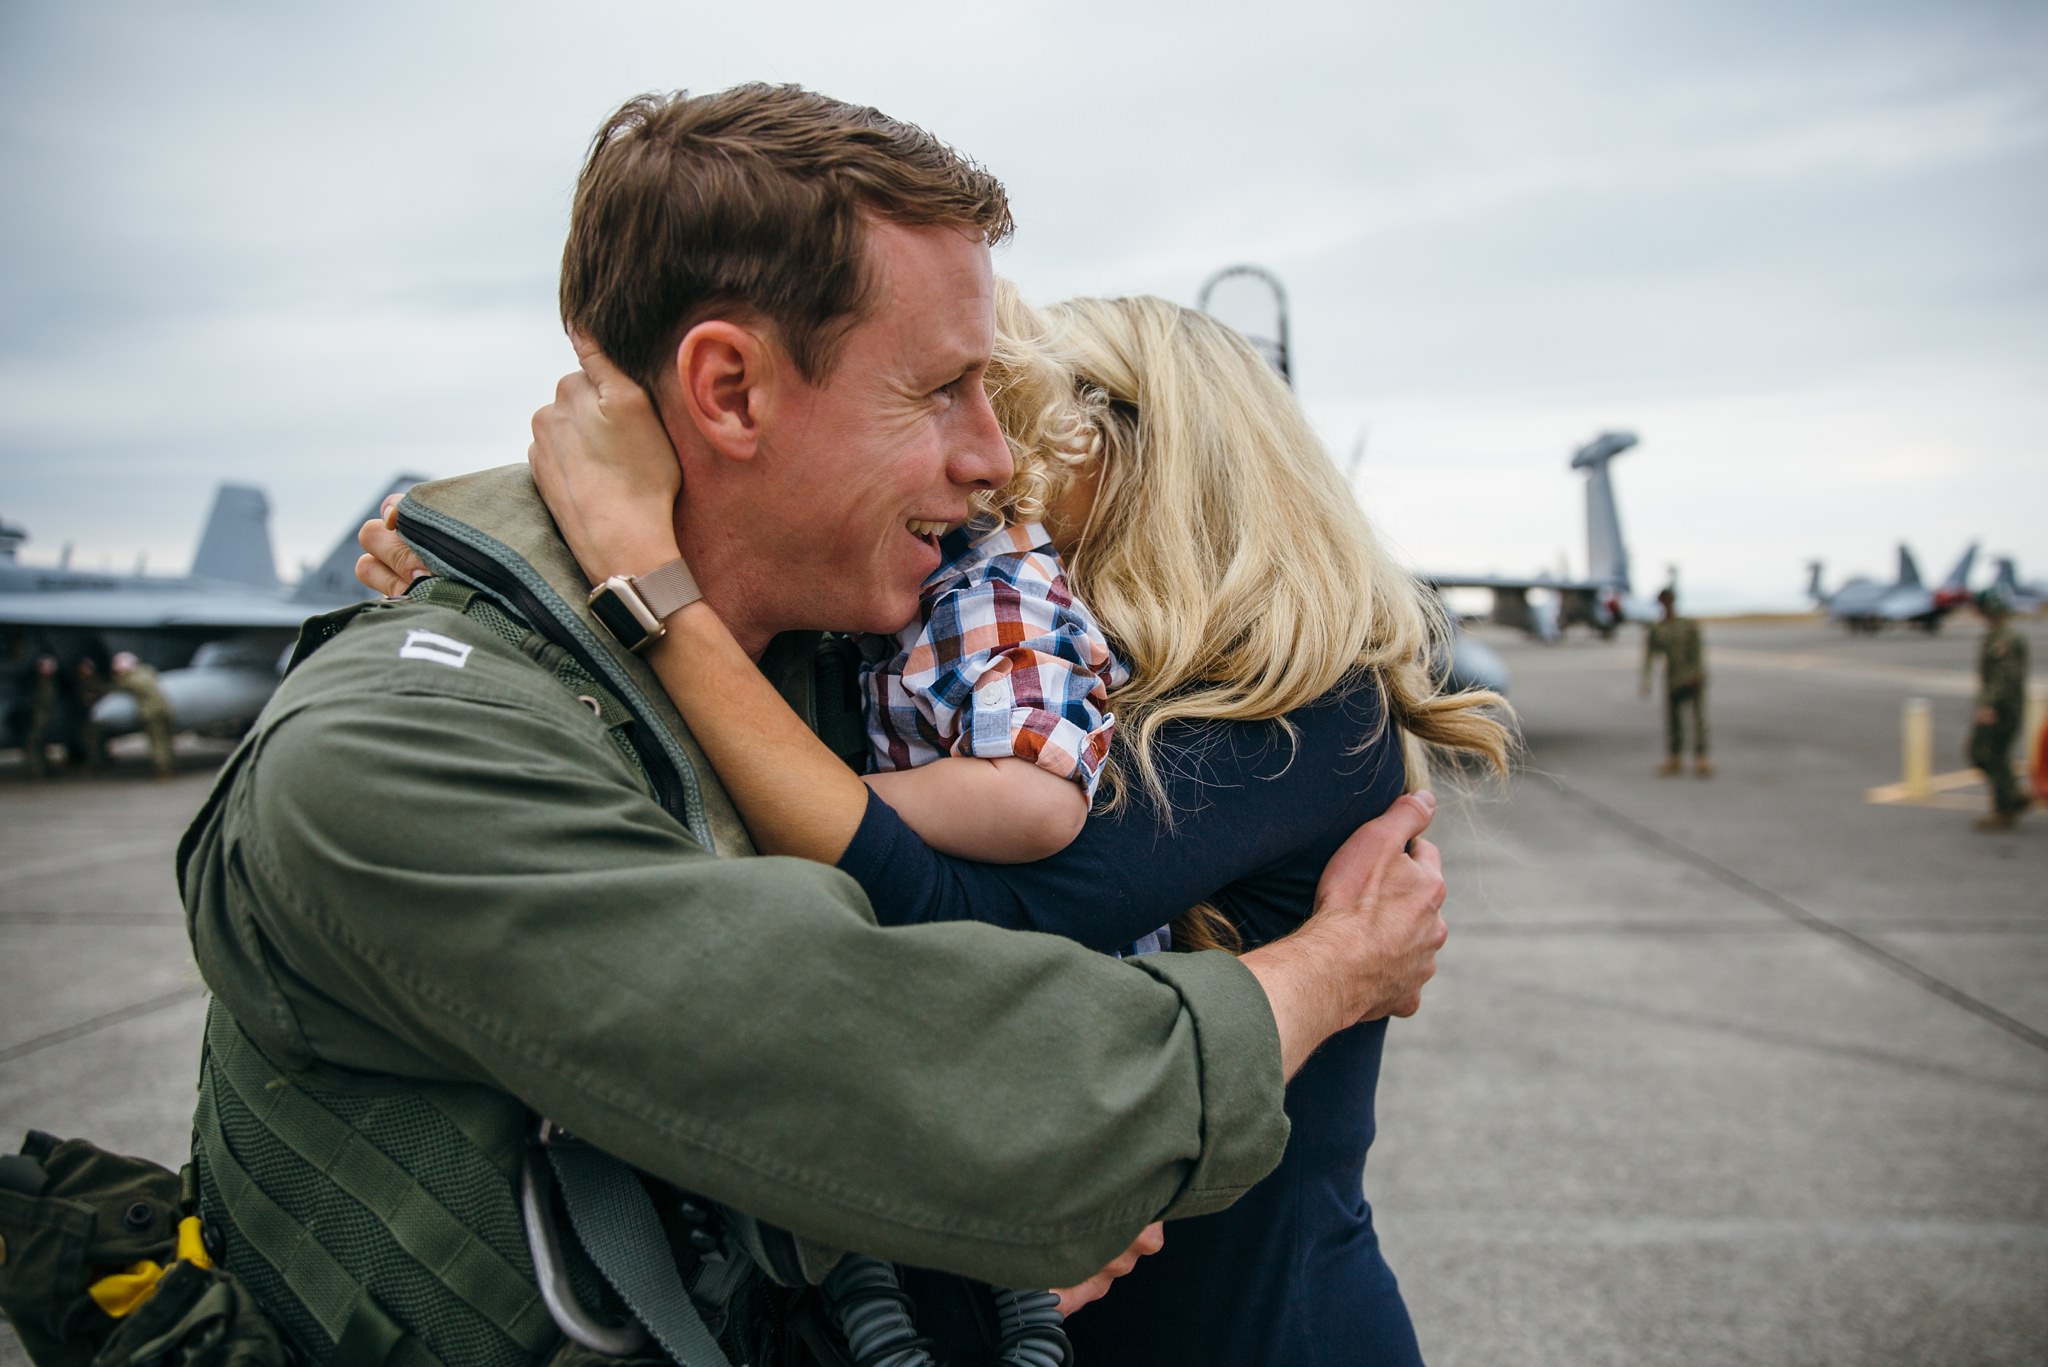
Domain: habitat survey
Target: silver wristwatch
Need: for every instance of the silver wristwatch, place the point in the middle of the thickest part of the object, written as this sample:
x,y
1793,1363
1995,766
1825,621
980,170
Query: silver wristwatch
x,y
636,608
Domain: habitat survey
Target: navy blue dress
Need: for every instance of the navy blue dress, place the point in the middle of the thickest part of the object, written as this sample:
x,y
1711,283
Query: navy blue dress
x,y
1291,1275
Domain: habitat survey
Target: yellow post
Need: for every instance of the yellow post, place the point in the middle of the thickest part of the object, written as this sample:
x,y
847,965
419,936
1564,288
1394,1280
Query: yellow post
x,y
1918,731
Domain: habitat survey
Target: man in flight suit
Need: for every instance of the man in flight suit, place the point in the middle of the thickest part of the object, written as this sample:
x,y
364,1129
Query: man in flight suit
x,y
435,867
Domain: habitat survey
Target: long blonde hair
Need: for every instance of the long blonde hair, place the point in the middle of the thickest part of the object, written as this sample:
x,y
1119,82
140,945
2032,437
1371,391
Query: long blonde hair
x,y
1223,555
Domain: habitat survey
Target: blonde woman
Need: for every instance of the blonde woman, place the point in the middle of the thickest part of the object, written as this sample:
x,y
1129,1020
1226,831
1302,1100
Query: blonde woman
x,y
1275,654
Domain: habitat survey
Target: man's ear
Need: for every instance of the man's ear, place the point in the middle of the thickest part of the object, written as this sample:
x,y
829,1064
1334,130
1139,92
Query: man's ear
x,y
722,370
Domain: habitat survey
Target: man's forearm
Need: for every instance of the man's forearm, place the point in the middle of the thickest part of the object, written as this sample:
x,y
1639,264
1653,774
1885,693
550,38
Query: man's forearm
x,y
1306,994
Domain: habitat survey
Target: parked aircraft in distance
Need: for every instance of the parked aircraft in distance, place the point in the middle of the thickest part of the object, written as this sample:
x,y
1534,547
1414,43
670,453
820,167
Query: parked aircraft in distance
x,y
216,635
1865,606
1602,600
2023,596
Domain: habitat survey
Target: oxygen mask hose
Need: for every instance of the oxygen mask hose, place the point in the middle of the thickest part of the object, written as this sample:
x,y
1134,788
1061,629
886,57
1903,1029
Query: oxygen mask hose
x,y
1030,1325
872,1311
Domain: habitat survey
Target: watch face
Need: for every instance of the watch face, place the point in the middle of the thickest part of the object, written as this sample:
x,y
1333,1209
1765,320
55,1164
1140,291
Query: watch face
x,y
610,609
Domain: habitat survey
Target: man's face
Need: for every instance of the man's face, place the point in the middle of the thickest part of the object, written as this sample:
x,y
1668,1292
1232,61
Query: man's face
x,y
866,469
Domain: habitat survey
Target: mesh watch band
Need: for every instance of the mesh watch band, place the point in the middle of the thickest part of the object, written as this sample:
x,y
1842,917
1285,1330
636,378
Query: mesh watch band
x,y
668,589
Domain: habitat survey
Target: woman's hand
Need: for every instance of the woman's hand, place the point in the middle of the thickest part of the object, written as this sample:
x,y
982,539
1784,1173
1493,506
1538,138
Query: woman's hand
x,y
387,564
606,469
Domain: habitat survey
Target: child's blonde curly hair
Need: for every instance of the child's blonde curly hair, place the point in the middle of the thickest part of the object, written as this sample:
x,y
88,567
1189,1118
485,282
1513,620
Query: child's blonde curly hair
x,y
1049,419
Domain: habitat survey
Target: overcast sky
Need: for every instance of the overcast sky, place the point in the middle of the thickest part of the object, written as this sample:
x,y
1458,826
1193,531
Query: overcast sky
x,y
1801,249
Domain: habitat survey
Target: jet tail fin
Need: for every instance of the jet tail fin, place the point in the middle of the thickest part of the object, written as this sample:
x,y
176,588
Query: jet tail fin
x,y
1909,571
1813,588
2007,581
234,548
1959,577
1606,553
333,581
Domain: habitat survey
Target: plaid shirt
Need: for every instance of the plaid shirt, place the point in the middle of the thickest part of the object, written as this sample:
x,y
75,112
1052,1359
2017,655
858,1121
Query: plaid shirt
x,y
1002,661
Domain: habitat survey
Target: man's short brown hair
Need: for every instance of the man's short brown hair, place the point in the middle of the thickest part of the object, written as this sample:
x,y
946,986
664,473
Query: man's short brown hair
x,y
750,200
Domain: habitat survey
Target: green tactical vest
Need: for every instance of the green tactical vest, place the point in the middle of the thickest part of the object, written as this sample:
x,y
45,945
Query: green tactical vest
x,y
378,1219
377,1225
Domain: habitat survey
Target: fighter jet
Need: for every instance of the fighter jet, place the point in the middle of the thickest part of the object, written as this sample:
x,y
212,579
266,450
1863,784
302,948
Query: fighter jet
x,y
1865,606
216,635
1603,600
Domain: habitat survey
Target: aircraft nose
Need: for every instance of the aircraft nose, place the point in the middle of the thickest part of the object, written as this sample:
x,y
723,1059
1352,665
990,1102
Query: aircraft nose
x,y
116,714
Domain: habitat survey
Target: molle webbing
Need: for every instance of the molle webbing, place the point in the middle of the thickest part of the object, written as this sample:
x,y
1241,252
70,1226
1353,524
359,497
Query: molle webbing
x,y
381,1231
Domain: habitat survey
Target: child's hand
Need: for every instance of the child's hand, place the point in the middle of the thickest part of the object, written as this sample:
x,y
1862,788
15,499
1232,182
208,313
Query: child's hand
x,y
1149,1241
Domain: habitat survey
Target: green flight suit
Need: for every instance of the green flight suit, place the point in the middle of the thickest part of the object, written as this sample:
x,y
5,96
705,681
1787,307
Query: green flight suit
x,y
430,863
1678,640
2002,691
152,710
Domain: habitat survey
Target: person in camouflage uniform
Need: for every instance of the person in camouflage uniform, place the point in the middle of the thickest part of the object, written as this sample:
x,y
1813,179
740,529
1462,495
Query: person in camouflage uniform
x,y
88,746
1677,639
139,681
2001,692
42,713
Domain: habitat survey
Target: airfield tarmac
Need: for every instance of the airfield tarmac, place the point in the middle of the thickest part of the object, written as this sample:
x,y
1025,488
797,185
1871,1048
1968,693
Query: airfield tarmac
x,y
1739,1071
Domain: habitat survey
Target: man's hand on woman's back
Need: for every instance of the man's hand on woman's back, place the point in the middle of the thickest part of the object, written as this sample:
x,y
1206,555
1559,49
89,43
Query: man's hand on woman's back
x,y
1370,945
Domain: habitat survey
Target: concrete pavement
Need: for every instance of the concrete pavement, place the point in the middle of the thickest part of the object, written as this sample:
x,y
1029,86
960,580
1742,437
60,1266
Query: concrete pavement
x,y
1744,1071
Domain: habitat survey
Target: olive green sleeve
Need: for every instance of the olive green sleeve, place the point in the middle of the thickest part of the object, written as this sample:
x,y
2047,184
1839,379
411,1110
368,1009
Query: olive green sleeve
x,y
461,888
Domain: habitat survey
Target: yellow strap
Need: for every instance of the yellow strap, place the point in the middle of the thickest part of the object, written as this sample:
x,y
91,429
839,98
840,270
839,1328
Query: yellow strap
x,y
191,1248
121,1294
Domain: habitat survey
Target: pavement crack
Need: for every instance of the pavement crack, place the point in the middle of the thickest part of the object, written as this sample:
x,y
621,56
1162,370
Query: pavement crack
x,y
1813,921
1765,1034
101,1022
1548,929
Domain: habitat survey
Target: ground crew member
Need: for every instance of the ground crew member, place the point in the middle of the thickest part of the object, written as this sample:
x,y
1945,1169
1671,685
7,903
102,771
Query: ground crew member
x,y
1677,639
2001,694
42,713
88,744
139,681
